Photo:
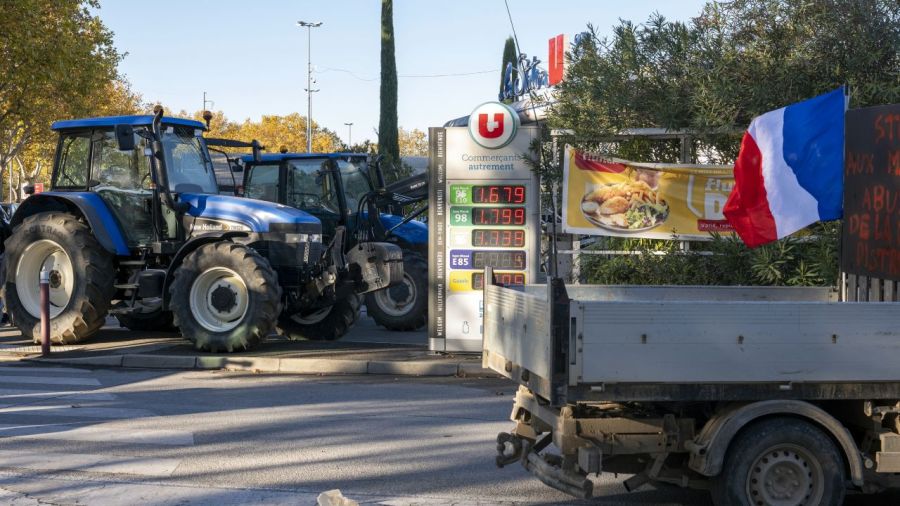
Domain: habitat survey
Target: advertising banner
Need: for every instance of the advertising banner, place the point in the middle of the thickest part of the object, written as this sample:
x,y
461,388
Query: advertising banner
x,y
613,197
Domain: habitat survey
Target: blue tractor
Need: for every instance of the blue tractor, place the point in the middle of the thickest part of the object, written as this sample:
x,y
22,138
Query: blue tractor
x,y
347,191
134,226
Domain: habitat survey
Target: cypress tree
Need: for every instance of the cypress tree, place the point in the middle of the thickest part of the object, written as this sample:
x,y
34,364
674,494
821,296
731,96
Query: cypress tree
x,y
509,56
388,143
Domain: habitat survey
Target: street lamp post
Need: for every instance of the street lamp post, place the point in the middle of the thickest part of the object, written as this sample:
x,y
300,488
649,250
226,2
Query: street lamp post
x,y
349,134
309,91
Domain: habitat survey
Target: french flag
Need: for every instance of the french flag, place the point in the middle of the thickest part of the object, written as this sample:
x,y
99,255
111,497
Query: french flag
x,y
789,172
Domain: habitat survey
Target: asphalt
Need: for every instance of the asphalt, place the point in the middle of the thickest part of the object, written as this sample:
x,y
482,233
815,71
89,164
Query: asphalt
x,y
366,349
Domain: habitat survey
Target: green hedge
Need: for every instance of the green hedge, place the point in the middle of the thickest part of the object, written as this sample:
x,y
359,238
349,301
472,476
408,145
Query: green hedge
x,y
807,261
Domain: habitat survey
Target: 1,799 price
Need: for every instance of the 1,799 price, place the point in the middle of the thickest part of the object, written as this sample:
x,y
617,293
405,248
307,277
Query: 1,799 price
x,y
487,216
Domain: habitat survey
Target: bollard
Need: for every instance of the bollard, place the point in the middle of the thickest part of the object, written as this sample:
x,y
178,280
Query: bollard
x,y
45,312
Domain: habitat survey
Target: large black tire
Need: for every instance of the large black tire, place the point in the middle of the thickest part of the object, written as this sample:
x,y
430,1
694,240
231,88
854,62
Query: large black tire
x,y
89,266
157,321
322,327
784,461
260,296
405,306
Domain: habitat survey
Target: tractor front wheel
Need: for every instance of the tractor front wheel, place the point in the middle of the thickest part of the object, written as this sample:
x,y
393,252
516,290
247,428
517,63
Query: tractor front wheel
x,y
403,306
81,277
225,297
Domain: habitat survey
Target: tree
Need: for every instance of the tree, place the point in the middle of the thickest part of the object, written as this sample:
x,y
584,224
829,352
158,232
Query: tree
x,y
272,131
734,61
388,144
57,60
509,56
413,142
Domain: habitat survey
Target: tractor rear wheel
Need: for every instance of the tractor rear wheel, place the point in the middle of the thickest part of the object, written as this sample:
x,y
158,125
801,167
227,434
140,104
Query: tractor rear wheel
x,y
403,306
225,297
81,277
328,324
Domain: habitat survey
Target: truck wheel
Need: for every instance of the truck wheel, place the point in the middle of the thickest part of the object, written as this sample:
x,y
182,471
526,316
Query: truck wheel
x,y
404,306
156,321
328,324
225,297
781,461
81,277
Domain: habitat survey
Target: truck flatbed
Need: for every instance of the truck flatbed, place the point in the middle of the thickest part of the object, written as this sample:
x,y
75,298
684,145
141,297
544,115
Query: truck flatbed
x,y
588,343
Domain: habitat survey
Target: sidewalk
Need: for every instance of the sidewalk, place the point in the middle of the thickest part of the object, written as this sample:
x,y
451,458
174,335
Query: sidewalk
x,y
367,349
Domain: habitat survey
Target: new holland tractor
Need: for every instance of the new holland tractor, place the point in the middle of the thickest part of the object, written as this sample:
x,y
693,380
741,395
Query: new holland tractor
x,y
134,226
346,191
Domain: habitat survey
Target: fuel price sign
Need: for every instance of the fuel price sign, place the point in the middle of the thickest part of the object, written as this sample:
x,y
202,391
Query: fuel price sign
x,y
483,211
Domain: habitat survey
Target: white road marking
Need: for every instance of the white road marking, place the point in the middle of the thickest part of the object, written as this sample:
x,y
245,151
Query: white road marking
x,y
101,433
48,380
8,394
76,410
43,370
44,461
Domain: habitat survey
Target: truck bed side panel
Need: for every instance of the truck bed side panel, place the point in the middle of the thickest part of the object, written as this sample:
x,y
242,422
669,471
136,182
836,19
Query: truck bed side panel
x,y
736,341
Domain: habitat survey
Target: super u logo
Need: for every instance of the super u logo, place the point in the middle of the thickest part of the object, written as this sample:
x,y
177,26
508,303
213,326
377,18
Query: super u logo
x,y
493,125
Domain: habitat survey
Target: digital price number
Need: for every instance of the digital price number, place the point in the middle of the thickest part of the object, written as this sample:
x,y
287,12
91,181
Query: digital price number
x,y
487,194
486,238
488,216
500,278
498,194
479,259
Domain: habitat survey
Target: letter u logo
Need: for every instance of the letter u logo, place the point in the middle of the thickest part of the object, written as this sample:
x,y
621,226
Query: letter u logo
x,y
490,129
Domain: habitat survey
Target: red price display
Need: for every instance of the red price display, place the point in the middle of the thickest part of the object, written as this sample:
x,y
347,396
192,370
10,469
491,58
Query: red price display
x,y
498,194
500,279
498,238
498,259
498,215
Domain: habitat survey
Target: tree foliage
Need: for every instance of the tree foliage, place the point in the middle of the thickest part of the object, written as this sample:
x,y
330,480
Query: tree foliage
x,y
712,75
412,142
57,60
272,131
388,144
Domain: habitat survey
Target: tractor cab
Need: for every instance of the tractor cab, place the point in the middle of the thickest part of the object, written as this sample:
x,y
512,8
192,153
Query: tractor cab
x,y
332,187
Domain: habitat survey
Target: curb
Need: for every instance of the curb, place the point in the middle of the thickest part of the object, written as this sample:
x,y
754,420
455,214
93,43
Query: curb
x,y
317,366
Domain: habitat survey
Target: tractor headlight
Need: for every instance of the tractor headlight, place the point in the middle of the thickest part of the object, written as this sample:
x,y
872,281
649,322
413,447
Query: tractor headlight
x,y
302,238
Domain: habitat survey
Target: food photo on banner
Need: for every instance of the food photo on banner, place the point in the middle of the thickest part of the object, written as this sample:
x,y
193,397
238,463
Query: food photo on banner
x,y
613,197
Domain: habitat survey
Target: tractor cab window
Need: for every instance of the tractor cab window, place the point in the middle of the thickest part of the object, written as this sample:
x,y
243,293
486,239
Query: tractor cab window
x,y
356,182
74,158
309,186
187,162
122,180
124,170
263,183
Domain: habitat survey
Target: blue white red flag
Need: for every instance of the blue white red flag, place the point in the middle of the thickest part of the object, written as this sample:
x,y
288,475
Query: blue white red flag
x,y
790,170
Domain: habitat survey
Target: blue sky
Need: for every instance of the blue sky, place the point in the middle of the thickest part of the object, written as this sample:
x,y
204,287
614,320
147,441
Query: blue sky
x,y
250,57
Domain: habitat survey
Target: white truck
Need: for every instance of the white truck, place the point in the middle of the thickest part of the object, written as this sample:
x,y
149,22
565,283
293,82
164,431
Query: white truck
x,y
763,395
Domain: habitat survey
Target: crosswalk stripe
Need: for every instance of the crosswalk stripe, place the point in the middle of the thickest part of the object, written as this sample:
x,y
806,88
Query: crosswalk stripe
x,y
48,461
102,433
26,369
75,410
48,380
16,394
